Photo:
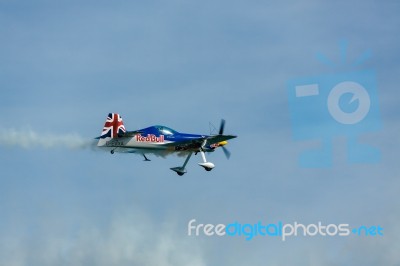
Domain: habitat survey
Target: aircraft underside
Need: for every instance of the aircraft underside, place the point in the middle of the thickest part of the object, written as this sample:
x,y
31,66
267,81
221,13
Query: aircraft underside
x,y
165,151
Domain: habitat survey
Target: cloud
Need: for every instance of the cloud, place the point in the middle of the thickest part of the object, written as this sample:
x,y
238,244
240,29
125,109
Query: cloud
x,y
182,64
131,238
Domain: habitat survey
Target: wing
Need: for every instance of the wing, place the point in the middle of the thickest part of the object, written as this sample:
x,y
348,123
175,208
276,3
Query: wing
x,y
218,138
192,143
158,153
195,143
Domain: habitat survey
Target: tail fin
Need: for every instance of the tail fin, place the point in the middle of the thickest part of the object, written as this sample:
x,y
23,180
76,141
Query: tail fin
x,y
113,126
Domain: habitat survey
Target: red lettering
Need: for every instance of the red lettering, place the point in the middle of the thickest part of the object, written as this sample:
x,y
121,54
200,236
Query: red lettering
x,y
150,138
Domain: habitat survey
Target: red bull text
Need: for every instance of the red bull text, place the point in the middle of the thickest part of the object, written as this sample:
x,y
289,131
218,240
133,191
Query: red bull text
x,y
150,138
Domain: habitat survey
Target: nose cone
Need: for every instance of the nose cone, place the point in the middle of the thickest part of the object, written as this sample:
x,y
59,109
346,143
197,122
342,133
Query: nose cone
x,y
222,143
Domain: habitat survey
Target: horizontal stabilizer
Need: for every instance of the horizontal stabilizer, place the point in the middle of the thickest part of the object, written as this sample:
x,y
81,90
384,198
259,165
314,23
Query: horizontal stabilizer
x,y
129,134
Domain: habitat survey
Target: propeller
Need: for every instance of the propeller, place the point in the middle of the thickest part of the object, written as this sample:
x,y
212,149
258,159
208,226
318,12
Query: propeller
x,y
221,127
221,132
226,152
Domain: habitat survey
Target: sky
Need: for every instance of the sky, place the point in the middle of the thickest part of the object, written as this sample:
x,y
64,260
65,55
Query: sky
x,y
66,64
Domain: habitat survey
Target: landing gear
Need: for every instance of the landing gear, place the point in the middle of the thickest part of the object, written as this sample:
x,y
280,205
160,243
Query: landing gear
x,y
145,158
208,166
112,151
180,170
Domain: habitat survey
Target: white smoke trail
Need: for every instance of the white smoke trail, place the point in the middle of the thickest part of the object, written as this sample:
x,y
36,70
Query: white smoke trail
x,y
30,139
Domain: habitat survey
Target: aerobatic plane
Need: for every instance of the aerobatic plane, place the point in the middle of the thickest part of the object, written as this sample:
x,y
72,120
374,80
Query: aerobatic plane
x,y
162,141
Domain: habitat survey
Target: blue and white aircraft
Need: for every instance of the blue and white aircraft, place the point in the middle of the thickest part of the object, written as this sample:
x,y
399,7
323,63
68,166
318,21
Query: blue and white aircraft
x,y
162,141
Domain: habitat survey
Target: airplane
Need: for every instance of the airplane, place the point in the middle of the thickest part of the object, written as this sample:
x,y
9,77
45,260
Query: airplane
x,y
161,141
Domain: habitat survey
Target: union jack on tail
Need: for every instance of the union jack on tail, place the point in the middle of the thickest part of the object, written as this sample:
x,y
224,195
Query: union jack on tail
x,y
113,126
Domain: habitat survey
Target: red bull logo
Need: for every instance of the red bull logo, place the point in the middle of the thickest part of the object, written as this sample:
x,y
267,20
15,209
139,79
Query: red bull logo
x,y
150,138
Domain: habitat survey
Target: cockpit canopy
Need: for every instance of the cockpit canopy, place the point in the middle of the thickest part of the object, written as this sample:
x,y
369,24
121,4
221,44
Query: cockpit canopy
x,y
165,130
